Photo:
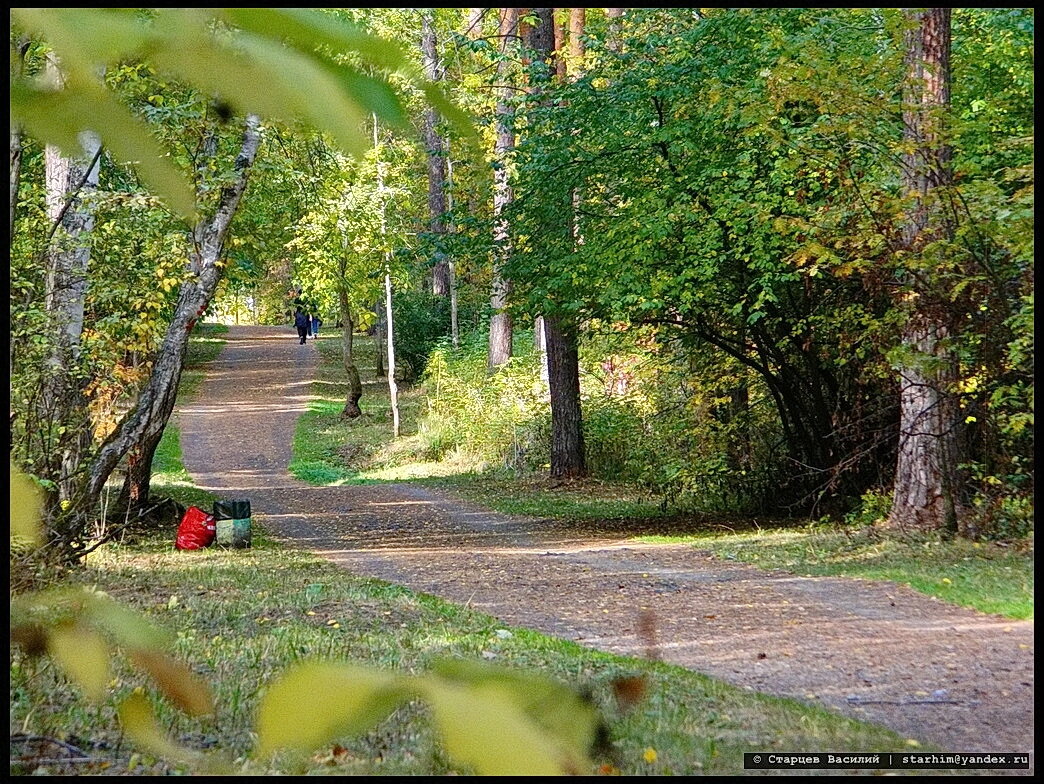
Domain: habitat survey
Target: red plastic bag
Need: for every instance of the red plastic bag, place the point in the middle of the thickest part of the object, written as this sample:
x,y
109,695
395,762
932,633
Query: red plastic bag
x,y
197,529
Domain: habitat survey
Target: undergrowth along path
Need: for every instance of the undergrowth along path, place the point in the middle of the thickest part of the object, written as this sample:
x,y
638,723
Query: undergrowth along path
x,y
957,678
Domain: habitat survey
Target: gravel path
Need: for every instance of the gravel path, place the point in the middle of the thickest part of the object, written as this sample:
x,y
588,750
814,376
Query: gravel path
x,y
873,650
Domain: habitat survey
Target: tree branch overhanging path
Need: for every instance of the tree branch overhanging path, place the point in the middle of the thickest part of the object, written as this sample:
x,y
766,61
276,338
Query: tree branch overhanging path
x,y
865,648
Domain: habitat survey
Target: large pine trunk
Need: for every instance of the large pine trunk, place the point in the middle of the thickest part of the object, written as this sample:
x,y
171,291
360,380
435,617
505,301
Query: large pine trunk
x,y
926,471
436,149
501,327
568,460
926,476
567,433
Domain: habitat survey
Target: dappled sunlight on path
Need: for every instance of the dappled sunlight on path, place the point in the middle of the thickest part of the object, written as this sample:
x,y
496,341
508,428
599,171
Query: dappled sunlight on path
x,y
868,649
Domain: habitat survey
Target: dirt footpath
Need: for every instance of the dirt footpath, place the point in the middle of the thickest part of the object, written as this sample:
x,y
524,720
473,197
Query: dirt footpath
x,y
873,650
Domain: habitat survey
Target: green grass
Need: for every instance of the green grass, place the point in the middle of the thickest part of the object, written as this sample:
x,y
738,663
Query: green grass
x,y
983,576
169,477
330,450
240,617
588,499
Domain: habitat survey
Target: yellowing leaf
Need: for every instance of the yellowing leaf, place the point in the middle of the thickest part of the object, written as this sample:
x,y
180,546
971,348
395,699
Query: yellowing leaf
x,y
130,629
186,689
140,723
492,734
59,117
568,718
84,657
317,702
25,509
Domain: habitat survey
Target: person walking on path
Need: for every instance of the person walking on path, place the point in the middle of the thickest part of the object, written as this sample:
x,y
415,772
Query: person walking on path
x,y
301,322
316,323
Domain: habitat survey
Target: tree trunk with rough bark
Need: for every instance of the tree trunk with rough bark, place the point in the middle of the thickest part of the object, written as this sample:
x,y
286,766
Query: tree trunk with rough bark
x,y
137,484
351,408
926,476
568,460
436,150
567,434
501,328
156,401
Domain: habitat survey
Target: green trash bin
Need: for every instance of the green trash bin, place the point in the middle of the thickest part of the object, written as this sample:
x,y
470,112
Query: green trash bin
x,y
233,523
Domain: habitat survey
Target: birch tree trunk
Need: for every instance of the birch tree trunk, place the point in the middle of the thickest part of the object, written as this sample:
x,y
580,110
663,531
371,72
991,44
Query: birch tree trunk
x,y
15,171
16,148
926,476
70,184
614,15
146,421
393,389
474,22
454,323
435,145
501,327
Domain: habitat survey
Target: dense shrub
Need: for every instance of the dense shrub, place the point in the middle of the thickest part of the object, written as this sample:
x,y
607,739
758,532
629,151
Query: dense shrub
x,y
498,419
645,422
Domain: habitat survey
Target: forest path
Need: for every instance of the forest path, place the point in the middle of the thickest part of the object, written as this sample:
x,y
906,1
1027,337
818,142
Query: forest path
x,y
872,650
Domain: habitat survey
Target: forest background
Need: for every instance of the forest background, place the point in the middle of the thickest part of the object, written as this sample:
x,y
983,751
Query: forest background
x,y
752,261
747,263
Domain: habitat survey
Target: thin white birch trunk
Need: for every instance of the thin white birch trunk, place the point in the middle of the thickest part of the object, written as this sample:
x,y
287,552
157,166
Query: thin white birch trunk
x,y
454,323
500,324
393,389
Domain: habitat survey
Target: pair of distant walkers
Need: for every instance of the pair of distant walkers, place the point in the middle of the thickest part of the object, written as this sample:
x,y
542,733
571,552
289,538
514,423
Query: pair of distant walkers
x,y
306,323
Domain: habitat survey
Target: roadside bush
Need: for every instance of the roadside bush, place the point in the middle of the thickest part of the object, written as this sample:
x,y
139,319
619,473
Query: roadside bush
x,y
1001,517
422,322
646,422
495,420
874,506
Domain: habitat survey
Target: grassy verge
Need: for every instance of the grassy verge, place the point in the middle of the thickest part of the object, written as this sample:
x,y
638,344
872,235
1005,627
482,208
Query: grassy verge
x,y
240,617
169,477
330,450
982,576
986,577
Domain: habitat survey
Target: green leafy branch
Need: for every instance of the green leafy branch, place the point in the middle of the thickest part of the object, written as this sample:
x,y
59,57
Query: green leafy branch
x,y
255,60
